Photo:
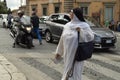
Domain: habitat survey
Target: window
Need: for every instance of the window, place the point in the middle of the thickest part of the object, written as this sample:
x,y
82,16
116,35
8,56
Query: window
x,y
92,22
61,19
85,10
1,16
44,11
108,13
34,6
57,9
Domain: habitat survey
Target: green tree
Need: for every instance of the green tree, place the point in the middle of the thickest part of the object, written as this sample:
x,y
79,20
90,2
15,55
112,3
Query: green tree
x,y
3,7
9,11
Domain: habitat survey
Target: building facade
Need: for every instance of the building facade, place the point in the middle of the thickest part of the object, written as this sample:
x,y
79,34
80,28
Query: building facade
x,y
101,10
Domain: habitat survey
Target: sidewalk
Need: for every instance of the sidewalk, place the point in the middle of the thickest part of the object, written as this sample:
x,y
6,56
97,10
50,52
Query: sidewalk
x,y
8,71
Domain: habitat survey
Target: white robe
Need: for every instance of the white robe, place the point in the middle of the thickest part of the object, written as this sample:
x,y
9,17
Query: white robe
x,y
67,47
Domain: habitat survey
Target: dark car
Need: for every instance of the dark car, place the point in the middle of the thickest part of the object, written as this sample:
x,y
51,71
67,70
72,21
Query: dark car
x,y
104,37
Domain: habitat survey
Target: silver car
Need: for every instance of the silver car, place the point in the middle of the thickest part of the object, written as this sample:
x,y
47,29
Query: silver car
x,y
104,37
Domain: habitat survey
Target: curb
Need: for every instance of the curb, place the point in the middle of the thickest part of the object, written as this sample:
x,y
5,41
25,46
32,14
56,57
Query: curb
x,y
8,71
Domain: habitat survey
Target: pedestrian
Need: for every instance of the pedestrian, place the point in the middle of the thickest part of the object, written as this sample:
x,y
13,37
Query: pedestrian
x,y
35,23
118,26
107,24
112,24
9,17
69,41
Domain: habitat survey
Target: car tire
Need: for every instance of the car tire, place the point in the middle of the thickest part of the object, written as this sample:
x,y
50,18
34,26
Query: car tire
x,y
48,37
106,49
4,25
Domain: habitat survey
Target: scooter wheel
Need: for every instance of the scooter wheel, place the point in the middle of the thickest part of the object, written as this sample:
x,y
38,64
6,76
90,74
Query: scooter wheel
x,y
29,47
17,43
13,45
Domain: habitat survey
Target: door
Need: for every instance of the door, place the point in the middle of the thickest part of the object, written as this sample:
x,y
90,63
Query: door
x,y
109,13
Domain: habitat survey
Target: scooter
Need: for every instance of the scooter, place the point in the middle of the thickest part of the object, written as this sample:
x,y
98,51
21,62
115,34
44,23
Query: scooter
x,y
24,37
21,31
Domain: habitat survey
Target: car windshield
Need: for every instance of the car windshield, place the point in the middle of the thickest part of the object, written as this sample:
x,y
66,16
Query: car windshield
x,y
61,19
25,19
92,22
43,19
3,16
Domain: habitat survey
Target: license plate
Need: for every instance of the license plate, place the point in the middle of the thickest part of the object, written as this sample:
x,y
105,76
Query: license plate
x,y
108,41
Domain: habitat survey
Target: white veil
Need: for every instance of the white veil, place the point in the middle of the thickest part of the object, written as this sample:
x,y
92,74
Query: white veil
x,y
75,22
86,34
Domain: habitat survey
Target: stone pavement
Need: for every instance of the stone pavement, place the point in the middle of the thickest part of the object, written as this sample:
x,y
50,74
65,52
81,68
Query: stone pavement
x,y
8,71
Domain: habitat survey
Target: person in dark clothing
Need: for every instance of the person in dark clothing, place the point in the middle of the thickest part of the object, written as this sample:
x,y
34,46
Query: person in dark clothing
x,y
35,23
9,17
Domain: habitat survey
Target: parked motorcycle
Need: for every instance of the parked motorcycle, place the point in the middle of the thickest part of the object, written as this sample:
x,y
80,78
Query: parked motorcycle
x,y
25,34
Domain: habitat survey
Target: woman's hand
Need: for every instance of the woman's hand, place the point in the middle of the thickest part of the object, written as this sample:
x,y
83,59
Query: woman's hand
x,y
78,28
57,56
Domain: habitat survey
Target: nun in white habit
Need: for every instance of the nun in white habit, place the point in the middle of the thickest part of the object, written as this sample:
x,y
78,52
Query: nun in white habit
x,y
69,41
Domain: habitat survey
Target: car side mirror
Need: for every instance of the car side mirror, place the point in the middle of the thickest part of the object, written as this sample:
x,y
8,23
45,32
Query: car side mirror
x,y
16,20
1,18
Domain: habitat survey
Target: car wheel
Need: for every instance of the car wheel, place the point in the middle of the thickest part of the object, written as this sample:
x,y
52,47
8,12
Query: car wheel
x,y
4,26
106,49
48,37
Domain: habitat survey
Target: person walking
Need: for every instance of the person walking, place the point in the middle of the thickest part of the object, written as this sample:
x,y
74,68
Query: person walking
x,y
35,23
9,17
69,41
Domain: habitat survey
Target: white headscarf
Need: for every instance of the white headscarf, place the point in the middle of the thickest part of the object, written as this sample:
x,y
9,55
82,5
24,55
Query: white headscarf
x,y
75,22
86,34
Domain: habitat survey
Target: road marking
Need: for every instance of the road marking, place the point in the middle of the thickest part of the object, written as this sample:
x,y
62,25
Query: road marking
x,y
43,58
57,67
106,60
103,71
107,72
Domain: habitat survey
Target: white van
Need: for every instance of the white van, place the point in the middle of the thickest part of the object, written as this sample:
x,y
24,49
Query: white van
x,y
3,20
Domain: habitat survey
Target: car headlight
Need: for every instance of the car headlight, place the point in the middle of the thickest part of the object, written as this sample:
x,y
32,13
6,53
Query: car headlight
x,y
97,38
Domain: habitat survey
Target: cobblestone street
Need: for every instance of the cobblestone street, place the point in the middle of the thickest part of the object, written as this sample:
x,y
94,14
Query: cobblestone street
x,y
36,63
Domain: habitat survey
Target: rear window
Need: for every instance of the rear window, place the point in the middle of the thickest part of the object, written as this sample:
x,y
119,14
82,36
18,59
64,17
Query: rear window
x,y
92,22
61,19
1,16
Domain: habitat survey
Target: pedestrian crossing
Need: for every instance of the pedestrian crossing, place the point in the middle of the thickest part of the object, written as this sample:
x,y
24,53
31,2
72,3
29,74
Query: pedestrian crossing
x,y
107,60
105,66
102,70
117,34
59,67
98,68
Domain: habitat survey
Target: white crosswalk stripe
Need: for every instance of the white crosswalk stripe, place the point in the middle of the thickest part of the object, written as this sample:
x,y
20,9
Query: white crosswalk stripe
x,y
105,71
59,67
90,64
106,60
117,34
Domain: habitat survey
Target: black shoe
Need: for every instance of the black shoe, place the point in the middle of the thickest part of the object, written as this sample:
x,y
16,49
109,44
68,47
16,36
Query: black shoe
x,y
40,43
13,45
